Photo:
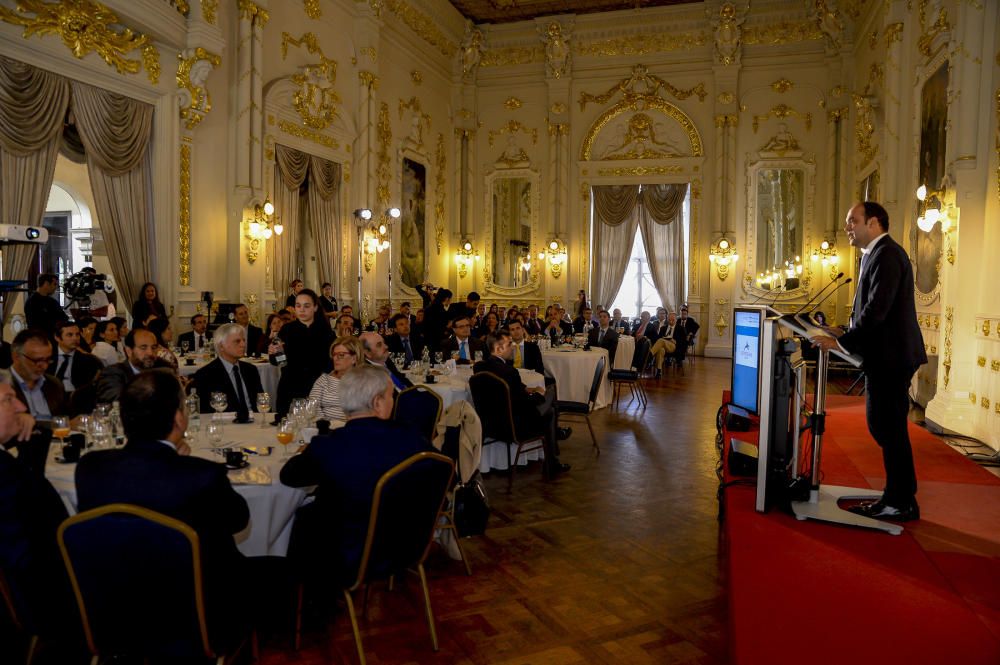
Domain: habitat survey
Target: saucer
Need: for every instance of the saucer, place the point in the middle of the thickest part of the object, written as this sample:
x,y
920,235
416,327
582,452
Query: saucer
x,y
242,465
62,460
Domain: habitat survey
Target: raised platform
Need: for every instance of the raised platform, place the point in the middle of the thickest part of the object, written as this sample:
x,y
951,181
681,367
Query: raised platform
x,y
812,592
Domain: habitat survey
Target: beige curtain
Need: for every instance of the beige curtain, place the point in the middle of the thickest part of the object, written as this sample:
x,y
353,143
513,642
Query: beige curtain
x,y
663,236
290,170
324,217
33,105
115,131
615,218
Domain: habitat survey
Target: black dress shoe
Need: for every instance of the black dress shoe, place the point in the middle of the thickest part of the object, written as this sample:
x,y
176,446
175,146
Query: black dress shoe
x,y
879,510
557,468
564,433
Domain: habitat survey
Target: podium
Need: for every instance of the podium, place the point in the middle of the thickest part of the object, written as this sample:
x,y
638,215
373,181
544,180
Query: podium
x,y
823,502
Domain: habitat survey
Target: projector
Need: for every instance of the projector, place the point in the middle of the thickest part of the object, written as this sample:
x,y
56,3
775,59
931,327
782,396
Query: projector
x,y
26,234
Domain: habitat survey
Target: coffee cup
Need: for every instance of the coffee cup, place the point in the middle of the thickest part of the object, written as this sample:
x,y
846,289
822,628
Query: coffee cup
x,y
71,452
189,361
235,457
430,378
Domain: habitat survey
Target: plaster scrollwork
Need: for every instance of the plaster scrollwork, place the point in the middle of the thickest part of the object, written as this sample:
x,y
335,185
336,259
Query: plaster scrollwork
x,y
440,185
641,84
316,100
513,127
557,50
513,155
781,143
419,122
472,51
829,22
864,127
193,68
641,137
728,29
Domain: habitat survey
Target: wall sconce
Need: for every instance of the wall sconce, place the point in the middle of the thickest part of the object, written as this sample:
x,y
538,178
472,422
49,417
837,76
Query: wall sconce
x,y
826,254
932,209
721,255
465,257
259,227
556,252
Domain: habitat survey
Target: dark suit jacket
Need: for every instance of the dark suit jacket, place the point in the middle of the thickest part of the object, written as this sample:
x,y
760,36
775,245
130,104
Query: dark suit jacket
x,y
54,393
114,378
679,336
30,513
345,465
610,342
214,378
579,323
83,370
689,326
389,365
565,328
395,344
532,357
527,420
451,344
43,312
884,329
189,338
533,326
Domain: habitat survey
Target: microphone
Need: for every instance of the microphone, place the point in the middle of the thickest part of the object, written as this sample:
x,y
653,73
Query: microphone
x,y
827,296
820,292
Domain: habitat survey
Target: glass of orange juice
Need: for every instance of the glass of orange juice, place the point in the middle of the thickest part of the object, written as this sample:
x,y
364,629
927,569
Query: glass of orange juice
x,y
60,428
286,433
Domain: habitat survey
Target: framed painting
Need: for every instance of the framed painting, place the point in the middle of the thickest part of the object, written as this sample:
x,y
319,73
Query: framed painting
x,y
412,221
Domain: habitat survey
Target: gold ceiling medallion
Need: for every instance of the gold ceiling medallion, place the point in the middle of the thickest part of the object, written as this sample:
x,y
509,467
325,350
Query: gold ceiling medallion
x,y
513,103
208,10
641,85
782,86
86,26
440,185
315,100
513,127
313,9
193,69
781,111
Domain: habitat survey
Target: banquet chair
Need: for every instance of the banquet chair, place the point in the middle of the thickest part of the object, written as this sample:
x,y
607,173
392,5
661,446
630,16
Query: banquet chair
x,y
446,520
491,397
19,621
584,409
632,377
418,407
140,588
405,506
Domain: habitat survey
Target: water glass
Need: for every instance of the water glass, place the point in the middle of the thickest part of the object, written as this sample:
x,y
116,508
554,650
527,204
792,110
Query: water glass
x,y
263,406
215,434
185,345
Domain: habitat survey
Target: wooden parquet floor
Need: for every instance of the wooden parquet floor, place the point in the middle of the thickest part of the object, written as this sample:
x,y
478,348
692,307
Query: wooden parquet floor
x,y
615,562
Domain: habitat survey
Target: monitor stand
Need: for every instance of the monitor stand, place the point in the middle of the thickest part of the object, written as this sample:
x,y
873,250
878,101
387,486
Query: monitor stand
x,y
823,503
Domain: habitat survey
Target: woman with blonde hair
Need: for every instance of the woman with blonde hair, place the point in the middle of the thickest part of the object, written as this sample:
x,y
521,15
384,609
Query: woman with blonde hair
x,y
346,352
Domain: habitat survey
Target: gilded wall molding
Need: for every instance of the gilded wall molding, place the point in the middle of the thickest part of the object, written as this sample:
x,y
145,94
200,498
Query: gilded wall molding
x,y
782,85
641,84
949,326
782,111
316,100
642,102
513,103
252,11
84,27
383,169
193,68
440,184
784,32
208,10
308,134
513,127
419,121
511,55
312,9
641,170
184,222
368,79
422,25
641,44
417,77
893,33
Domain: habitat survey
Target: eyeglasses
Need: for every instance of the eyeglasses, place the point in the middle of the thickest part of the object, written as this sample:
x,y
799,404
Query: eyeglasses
x,y
461,325
36,361
340,355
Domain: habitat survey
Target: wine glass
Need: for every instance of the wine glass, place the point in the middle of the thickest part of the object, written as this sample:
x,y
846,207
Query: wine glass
x,y
214,433
219,402
286,432
60,428
185,345
263,406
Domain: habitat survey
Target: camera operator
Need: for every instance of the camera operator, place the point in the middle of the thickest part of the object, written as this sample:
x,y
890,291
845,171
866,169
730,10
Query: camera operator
x,y
42,310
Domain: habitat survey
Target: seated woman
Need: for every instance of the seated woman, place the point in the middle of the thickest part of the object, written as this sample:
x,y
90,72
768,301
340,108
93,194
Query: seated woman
x,y
88,326
108,347
274,323
164,338
148,304
491,323
346,352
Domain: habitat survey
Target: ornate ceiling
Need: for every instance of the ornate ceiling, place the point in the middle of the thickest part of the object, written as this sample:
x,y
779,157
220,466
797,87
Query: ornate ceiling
x,y
508,11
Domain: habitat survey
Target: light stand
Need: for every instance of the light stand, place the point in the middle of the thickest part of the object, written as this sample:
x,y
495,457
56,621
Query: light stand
x,y
362,216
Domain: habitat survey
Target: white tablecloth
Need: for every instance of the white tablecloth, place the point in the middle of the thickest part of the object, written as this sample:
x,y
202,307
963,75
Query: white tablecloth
x,y
454,387
573,370
272,507
624,352
269,374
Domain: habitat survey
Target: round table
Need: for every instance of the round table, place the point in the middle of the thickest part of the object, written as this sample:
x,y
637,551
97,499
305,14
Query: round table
x,y
455,386
573,370
272,505
624,352
269,374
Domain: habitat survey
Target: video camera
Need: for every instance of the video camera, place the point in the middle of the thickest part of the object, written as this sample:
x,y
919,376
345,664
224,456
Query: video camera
x,y
78,287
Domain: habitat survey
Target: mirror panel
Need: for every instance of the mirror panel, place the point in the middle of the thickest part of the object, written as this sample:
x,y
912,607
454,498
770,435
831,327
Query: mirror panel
x,y
512,199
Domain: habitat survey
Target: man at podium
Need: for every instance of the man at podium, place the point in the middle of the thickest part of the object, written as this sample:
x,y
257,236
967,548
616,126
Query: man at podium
x,y
885,333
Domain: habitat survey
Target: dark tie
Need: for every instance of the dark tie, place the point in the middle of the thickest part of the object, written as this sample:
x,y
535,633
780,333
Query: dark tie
x,y
600,337
199,342
61,372
407,349
241,403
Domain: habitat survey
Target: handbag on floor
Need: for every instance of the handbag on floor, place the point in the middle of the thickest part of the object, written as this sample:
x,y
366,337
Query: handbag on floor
x,y
472,507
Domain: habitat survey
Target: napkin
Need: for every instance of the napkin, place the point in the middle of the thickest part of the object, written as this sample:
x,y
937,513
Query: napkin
x,y
251,475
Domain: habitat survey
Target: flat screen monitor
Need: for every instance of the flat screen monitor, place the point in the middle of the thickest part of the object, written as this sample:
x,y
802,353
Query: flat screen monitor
x,y
748,323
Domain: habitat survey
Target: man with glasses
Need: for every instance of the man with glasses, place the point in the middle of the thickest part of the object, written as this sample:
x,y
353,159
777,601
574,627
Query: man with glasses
x,y
41,392
461,346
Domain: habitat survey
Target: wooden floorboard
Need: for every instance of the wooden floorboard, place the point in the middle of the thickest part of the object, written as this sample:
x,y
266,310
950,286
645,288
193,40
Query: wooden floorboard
x,y
615,562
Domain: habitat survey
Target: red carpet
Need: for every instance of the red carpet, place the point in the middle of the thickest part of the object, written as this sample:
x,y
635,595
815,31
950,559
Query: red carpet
x,y
811,592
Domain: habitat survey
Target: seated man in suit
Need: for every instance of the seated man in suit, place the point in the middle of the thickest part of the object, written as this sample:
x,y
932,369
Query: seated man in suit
x,y
43,393
155,470
585,322
404,340
30,513
328,535
198,338
556,327
605,336
688,326
534,409
670,342
239,380
377,354
532,324
141,349
252,332
526,354
462,346
74,368
642,327
619,323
